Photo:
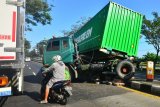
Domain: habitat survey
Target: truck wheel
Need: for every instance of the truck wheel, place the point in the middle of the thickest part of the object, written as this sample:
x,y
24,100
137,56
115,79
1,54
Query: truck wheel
x,y
125,70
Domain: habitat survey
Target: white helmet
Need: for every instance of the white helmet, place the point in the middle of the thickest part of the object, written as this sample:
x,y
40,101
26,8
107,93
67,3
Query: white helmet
x,y
56,58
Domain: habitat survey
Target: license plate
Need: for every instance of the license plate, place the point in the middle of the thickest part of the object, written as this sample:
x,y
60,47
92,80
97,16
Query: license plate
x,y
6,91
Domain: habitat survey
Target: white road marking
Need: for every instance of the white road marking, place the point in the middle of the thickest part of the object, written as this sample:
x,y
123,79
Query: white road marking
x,y
34,73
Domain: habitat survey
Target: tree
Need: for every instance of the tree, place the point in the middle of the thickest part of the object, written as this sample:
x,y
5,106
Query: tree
x,y
33,53
151,30
40,46
76,27
37,11
149,56
39,49
27,46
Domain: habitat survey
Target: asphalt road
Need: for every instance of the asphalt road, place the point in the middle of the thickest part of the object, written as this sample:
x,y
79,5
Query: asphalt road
x,y
84,94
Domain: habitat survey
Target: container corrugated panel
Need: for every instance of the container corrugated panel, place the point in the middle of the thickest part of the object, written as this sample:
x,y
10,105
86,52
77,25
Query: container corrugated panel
x,y
114,28
122,30
89,37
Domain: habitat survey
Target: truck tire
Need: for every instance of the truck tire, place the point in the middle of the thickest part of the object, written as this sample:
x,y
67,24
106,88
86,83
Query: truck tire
x,y
125,70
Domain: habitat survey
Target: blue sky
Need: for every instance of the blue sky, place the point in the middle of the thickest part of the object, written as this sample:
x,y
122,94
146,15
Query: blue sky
x,y
67,12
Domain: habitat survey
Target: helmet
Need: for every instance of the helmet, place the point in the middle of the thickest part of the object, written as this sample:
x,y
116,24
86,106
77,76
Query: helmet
x,y
56,58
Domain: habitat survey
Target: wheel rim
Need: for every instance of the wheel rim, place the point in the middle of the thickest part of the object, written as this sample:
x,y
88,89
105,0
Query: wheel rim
x,y
126,69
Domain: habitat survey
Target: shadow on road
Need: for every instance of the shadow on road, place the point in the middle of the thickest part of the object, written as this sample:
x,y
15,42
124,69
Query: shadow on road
x,y
34,79
34,95
2,100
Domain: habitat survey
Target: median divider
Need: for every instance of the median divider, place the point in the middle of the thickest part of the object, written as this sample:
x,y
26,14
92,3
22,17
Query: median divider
x,y
136,85
146,86
155,89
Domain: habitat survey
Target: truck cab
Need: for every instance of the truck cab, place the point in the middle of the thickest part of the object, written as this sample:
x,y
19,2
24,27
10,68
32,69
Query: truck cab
x,y
58,46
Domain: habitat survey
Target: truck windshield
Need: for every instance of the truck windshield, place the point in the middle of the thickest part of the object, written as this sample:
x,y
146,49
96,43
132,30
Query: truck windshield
x,y
53,46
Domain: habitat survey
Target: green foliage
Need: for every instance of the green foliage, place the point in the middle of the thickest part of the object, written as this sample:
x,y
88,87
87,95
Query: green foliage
x,y
139,58
27,46
37,11
33,53
41,45
150,57
38,50
151,30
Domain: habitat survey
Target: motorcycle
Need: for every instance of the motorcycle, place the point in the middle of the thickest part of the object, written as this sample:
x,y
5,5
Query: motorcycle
x,y
59,92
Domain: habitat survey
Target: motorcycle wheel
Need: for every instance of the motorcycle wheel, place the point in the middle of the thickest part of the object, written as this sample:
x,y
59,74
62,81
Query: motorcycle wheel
x,y
63,101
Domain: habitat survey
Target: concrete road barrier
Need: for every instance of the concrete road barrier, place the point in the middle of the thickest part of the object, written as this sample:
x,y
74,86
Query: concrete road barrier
x,y
136,85
155,89
148,87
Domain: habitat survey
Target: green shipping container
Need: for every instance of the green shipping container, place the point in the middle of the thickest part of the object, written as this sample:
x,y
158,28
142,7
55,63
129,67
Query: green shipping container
x,y
114,28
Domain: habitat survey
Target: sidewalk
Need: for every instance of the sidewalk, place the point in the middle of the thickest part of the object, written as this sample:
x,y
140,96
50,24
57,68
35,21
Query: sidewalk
x,y
145,86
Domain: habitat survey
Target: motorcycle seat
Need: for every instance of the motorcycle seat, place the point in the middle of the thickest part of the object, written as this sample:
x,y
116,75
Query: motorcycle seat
x,y
60,83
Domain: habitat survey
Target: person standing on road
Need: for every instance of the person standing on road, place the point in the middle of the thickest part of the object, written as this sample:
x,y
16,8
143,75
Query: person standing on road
x,y
58,68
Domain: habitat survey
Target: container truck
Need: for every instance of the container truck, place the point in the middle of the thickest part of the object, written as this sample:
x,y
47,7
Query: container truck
x,y
12,14
100,49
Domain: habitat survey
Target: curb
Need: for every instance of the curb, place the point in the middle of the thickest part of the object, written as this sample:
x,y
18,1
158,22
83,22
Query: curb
x,y
145,87
155,89
136,85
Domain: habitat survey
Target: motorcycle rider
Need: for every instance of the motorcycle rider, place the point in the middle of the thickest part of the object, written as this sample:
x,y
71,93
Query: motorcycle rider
x,y
58,69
